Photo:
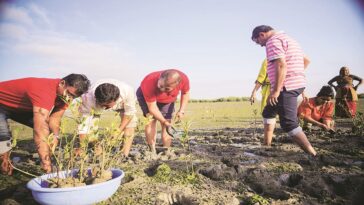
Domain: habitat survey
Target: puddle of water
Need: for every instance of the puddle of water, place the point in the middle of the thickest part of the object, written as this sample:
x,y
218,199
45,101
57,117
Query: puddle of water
x,y
358,163
252,161
240,145
249,154
237,145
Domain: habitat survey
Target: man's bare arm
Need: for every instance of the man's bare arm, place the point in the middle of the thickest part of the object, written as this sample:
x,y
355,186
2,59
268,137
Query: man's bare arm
x,y
41,132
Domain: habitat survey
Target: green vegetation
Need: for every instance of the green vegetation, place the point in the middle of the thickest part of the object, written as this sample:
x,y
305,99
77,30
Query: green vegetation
x,y
226,99
283,167
358,125
257,199
164,174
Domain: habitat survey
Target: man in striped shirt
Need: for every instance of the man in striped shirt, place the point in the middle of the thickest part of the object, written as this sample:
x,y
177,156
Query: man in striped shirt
x,y
286,65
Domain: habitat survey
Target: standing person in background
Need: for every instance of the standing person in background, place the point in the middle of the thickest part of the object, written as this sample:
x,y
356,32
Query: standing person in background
x,y
286,66
156,96
261,81
346,96
319,110
109,94
40,104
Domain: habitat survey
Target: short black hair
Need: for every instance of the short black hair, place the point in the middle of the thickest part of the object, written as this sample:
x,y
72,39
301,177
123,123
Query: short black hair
x,y
78,81
106,93
325,91
261,28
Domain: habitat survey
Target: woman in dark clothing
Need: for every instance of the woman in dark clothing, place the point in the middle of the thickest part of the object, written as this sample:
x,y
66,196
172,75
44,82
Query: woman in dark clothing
x,y
346,96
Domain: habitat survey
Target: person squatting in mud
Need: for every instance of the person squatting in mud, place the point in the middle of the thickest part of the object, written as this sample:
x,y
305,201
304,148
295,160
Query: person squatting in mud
x,y
156,96
109,94
318,110
346,96
40,104
286,66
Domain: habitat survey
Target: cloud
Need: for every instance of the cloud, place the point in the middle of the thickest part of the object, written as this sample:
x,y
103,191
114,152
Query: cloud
x,y
74,53
17,15
28,31
12,31
40,13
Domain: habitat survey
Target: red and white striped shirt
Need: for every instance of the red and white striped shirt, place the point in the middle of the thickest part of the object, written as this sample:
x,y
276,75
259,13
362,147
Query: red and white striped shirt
x,y
280,45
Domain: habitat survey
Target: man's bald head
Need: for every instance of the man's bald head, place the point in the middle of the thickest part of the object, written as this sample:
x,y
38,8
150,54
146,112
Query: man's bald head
x,y
169,80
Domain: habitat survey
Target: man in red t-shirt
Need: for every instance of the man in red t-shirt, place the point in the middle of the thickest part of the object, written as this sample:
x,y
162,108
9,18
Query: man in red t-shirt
x,y
38,103
156,96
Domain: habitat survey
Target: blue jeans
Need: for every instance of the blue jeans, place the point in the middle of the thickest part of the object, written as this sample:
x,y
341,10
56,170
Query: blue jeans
x,y
286,108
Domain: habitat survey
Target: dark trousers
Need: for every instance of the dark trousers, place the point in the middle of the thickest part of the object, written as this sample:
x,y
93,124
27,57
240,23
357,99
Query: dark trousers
x,y
286,108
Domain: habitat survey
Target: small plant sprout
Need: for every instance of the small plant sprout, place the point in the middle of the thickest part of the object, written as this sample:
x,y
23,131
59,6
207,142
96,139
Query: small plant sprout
x,y
185,138
255,114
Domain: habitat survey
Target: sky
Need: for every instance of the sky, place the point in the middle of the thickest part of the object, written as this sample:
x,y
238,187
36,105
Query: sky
x,y
209,40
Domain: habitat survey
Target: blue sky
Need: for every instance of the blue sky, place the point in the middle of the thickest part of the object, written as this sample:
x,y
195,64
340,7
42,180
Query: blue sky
x,y
207,39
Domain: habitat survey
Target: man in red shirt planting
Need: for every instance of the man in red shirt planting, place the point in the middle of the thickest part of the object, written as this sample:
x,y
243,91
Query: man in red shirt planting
x,y
38,103
156,96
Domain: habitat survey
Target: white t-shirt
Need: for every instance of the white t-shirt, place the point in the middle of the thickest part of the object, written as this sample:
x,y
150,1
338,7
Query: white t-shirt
x,y
125,103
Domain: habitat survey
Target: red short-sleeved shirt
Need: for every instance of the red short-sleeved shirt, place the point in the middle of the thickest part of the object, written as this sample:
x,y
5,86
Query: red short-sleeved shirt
x,y
310,108
23,94
151,92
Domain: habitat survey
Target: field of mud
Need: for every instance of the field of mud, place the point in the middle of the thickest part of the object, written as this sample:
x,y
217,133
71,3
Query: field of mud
x,y
226,166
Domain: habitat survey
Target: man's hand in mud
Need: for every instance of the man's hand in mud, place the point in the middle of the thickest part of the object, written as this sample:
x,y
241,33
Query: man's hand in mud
x,y
6,167
327,128
332,131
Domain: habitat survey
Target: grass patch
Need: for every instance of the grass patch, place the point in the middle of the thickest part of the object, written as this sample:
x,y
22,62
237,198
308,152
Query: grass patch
x,y
283,167
164,174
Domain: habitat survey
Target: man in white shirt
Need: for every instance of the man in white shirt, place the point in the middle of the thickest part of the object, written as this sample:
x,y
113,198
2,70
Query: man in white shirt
x,y
109,94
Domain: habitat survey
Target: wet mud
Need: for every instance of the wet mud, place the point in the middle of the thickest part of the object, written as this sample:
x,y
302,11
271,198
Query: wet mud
x,y
227,166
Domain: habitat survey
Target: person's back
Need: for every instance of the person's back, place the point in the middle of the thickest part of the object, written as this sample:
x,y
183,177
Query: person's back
x,y
152,93
280,45
22,94
40,104
318,110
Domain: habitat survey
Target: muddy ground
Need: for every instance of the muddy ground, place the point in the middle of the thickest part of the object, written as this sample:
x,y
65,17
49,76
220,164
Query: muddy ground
x,y
227,166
